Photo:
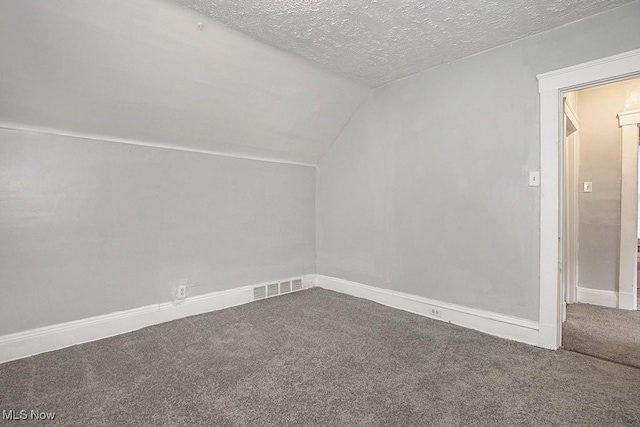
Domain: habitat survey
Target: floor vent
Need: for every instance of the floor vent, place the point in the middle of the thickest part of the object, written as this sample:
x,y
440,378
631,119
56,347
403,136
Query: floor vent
x,y
259,292
285,287
272,289
278,288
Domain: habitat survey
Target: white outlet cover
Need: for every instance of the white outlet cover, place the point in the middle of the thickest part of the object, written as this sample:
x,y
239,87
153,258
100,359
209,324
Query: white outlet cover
x,y
587,187
534,179
182,290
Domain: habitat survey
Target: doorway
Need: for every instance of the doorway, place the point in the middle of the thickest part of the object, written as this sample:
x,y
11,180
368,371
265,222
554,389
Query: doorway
x,y
600,194
600,221
551,86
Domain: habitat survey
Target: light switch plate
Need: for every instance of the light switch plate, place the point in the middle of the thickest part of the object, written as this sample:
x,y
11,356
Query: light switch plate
x,y
587,187
534,179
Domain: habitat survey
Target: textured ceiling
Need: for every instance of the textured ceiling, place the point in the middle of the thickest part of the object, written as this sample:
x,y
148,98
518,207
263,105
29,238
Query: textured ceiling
x,y
376,41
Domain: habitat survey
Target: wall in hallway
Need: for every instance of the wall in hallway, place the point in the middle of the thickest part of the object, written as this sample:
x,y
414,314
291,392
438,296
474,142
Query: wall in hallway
x,y
600,163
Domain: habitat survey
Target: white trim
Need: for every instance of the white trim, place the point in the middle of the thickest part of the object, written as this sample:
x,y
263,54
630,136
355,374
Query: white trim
x,y
628,300
70,134
550,289
598,297
627,118
569,260
54,337
572,115
550,86
628,239
590,73
500,325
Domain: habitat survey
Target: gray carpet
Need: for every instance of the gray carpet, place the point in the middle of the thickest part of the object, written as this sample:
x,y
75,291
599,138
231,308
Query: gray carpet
x,y
319,358
603,332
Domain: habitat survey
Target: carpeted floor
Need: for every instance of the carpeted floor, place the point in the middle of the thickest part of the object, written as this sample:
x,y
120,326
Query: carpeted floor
x,y
319,358
603,332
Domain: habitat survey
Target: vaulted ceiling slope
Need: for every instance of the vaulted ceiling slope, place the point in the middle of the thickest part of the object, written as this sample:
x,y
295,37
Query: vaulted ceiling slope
x,y
143,71
378,41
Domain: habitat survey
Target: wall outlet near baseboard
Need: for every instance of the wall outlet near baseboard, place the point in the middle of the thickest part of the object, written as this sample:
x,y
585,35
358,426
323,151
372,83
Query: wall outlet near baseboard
x,y
433,311
181,289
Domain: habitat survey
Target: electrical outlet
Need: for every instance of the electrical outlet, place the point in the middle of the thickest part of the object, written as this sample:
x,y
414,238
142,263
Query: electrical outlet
x,y
435,312
181,290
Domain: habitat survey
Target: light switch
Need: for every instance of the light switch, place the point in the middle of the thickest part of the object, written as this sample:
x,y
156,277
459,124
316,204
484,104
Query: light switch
x,y
534,179
587,187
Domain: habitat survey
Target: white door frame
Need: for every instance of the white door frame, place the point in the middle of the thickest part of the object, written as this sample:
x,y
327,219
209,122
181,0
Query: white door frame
x,y
628,271
570,199
551,85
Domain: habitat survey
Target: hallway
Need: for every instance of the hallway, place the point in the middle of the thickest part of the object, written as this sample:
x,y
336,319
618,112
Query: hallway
x,y
603,332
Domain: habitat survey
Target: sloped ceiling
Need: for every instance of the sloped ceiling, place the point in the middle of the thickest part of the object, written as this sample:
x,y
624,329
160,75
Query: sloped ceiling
x,y
143,71
377,41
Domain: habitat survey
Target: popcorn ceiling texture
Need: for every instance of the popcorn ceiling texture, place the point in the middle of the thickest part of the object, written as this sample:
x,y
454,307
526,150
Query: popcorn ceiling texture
x,y
376,42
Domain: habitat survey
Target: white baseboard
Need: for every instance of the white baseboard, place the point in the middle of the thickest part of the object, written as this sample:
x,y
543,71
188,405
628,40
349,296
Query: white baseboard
x,y
598,297
500,325
54,337
628,301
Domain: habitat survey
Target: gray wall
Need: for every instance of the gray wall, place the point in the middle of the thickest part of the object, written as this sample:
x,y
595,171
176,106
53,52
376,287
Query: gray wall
x,y
600,163
89,227
141,70
425,191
